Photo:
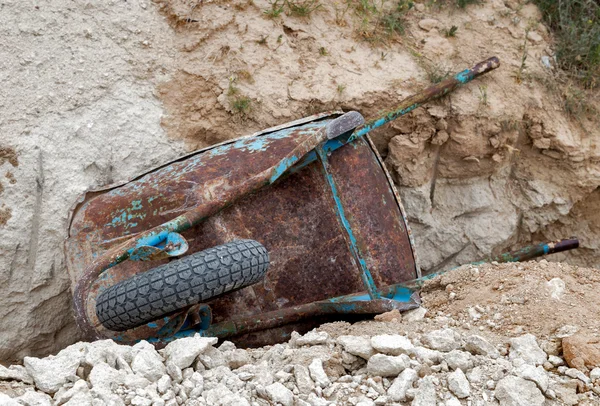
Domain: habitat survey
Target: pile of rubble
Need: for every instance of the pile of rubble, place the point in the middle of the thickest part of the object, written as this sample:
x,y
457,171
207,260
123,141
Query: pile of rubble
x,y
433,364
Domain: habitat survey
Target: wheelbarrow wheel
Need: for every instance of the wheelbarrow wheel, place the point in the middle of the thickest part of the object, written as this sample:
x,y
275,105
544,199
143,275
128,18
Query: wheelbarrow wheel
x,y
187,281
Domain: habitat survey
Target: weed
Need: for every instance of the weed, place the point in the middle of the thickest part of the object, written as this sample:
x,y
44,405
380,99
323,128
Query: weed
x,y
508,125
576,27
465,3
340,89
377,23
483,97
232,90
383,55
279,38
323,51
241,105
262,40
340,13
436,73
519,75
450,32
575,102
302,8
276,9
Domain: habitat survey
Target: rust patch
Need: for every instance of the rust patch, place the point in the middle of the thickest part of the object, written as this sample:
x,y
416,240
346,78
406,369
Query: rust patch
x,y
8,154
5,215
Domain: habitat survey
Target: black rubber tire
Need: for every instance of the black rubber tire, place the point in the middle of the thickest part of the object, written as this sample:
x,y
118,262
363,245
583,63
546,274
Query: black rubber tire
x,y
187,281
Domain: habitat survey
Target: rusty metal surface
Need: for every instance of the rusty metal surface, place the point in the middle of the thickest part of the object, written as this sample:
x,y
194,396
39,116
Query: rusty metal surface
x,y
329,217
293,218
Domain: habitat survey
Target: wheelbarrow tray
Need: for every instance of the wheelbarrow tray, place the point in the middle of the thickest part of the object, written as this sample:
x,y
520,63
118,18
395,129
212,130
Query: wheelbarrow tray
x,y
297,219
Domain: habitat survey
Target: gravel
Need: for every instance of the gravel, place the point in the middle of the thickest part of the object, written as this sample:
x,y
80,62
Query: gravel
x,y
426,366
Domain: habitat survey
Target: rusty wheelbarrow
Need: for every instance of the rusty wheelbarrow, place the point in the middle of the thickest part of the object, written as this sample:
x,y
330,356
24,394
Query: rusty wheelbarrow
x,y
252,238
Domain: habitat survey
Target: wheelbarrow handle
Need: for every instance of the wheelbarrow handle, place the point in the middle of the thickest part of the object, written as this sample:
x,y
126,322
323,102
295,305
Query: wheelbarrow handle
x,y
433,92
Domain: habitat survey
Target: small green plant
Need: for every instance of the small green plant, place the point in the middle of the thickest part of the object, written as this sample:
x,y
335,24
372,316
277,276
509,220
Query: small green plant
x,y
232,90
575,102
508,125
276,9
302,8
376,23
323,51
450,32
519,75
576,28
437,73
465,3
262,40
383,55
340,12
279,38
241,105
340,89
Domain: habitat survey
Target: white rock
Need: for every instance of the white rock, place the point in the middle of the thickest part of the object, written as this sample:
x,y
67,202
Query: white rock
x,y
303,380
15,372
386,365
480,346
313,338
473,313
428,356
392,344
140,401
404,381
107,351
104,376
163,384
357,345
82,399
6,400
212,358
428,24
318,374
33,398
280,394
147,362
417,314
556,361
183,352
514,391
444,340
50,373
458,359
452,402
425,395
537,375
316,400
475,375
526,347
556,286
136,381
65,395
237,358
594,374
577,374
174,372
458,384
